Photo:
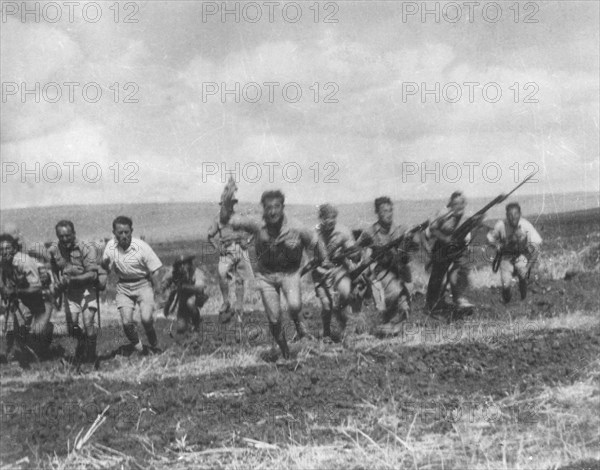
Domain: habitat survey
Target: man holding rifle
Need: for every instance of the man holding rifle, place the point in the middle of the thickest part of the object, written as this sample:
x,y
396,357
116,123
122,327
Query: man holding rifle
x,y
449,256
76,271
450,251
517,243
331,273
389,273
21,285
188,295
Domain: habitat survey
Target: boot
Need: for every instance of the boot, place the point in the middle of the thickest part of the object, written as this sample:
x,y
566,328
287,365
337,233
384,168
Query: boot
x,y
80,351
90,349
506,295
523,288
151,335
279,336
42,341
326,317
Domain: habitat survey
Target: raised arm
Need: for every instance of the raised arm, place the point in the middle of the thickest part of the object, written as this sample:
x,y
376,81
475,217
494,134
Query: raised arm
x,y
239,222
212,233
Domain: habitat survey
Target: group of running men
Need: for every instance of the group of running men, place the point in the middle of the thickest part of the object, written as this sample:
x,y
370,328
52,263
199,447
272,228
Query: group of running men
x,y
344,265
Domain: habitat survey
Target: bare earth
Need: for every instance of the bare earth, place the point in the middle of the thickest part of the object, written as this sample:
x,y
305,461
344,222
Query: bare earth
x,y
509,387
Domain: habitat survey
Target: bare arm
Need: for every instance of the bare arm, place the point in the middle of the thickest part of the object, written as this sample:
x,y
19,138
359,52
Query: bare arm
x,y
238,222
212,232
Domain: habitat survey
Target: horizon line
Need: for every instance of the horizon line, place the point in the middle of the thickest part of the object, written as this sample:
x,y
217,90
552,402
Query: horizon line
x,y
211,201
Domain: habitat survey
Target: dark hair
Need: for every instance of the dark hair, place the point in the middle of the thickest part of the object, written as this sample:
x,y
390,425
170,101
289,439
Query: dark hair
x,y
455,195
272,195
5,237
64,223
122,220
327,209
513,205
381,201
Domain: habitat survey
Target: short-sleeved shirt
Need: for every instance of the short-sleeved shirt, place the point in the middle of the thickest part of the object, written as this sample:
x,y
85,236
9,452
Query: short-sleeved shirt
x,y
136,263
22,273
339,238
228,235
513,240
281,252
80,259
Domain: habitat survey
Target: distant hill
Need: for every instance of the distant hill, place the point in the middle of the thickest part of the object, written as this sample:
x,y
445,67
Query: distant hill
x,y
188,221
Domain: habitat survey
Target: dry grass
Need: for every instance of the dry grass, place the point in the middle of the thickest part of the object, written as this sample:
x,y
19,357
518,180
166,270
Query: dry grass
x,y
384,437
562,431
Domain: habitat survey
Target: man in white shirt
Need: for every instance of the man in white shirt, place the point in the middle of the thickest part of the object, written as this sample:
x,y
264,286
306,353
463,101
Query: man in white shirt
x,y
138,269
518,244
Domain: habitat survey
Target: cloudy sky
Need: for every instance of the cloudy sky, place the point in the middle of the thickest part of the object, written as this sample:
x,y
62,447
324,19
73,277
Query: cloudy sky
x,y
361,127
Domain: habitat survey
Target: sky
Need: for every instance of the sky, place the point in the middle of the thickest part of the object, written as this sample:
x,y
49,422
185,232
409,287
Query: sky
x,y
517,93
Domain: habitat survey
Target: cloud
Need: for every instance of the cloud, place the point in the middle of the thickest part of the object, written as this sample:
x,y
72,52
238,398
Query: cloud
x,y
367,130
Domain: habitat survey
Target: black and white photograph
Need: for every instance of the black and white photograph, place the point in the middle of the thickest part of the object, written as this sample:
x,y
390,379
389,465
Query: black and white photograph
x,y
352,234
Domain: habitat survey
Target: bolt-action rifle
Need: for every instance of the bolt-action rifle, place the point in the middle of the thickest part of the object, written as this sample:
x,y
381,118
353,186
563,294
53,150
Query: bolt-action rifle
x,y
458,243
59,292
400,243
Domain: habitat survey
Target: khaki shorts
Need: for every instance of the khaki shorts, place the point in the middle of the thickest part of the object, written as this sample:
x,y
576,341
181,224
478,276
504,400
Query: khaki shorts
x,y
128,296
81,300
390,293
235,262
511,266
272,285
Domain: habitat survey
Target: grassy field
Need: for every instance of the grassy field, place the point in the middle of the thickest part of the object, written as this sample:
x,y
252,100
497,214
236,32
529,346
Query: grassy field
x,y
510,387
169,222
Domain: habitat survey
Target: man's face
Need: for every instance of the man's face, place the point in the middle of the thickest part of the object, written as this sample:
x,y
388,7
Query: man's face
x,y
7,252
122,233
458,204
273,211
513,216
328,222
66,236
385,214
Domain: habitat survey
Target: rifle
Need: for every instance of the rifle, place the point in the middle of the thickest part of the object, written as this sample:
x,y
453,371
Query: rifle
x,y
310,266
57,286
20,330
382,251
59,292
98,305
472,222
460,234
497,260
